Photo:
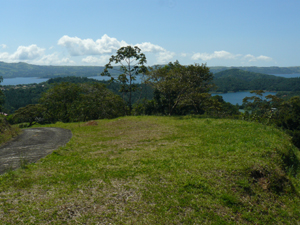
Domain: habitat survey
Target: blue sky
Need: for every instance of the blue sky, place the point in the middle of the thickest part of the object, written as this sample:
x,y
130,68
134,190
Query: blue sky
x,y
88,32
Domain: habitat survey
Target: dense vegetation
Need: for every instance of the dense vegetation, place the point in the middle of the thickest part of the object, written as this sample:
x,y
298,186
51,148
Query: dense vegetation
x,y
239,80
7,132
263,70
19,96
68,102
226,81
273,110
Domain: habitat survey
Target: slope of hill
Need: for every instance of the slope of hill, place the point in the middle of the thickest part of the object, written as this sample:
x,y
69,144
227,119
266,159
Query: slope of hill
x,y
9,70
264,70
159,170
243,75
240,80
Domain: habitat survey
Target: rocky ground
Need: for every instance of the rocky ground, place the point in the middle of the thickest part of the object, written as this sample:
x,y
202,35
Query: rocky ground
x,y
31,145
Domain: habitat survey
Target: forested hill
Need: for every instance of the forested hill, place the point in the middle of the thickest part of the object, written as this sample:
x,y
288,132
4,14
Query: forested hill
x,y
243,75
263,70
9,70
239,80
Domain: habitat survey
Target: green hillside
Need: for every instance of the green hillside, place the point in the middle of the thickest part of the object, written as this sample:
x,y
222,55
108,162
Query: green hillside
x,y
159,170
243,75
9,70
240,80
255,69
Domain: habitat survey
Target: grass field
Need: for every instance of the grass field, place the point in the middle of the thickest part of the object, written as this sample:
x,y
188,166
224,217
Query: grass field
x,y
159,170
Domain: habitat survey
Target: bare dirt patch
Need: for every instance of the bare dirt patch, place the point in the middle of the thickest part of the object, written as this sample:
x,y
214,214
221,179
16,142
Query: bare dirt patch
x,y
91,123
32,145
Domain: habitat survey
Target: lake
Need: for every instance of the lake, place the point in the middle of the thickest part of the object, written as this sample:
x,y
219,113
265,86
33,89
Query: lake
x,y
37,80
22,80
237,97
287,75
233,98
31,80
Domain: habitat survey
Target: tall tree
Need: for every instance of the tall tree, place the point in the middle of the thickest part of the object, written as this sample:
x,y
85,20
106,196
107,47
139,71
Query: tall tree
x,y
181,85
130,62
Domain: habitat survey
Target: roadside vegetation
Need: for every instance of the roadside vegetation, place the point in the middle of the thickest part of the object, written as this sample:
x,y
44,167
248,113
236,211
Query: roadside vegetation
x,y
7,132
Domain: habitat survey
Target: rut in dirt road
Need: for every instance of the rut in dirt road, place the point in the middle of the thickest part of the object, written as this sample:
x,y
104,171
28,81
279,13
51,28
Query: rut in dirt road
x,y
32,145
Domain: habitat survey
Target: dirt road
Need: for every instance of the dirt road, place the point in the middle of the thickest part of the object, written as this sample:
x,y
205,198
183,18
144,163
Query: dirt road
x,y
31,145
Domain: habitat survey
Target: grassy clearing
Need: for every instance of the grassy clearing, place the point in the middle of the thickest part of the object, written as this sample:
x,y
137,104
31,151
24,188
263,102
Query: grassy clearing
x,y
159,170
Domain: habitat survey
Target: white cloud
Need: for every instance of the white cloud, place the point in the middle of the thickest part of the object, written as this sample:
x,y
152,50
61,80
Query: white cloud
x,y
252,58
77,46
4,56
148,47
183,54
106,46
27,53
215,55
164,57
52,59
35,55
3,46
228,55
96,60
23,53
265,58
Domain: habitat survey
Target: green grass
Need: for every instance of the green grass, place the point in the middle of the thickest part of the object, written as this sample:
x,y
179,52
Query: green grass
x,y
159,170
7,132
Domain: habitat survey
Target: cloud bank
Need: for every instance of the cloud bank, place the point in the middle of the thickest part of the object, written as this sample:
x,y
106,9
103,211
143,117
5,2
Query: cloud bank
x,y
107,45
35,55
77,46
74,50
227,55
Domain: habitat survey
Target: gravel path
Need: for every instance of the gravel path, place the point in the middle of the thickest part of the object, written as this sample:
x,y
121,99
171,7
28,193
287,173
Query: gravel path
x,y
31,145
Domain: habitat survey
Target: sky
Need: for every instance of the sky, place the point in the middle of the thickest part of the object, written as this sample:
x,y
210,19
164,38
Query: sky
x,y
89,32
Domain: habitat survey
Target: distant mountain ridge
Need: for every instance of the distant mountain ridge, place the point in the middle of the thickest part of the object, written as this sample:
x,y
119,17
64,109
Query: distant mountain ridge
x,y
21,69
240,80
264,70
9,70
243,75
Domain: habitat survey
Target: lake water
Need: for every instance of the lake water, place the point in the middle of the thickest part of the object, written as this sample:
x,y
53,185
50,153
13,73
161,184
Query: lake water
x,y
237,97
287,75
22,80
233,98
32,80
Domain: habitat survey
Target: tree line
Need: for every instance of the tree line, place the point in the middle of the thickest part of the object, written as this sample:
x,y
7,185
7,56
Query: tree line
x,y
238,80
172,89
176,90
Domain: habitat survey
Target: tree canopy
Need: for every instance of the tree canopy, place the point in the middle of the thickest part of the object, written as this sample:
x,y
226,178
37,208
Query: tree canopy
x,y
131,63
176,85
